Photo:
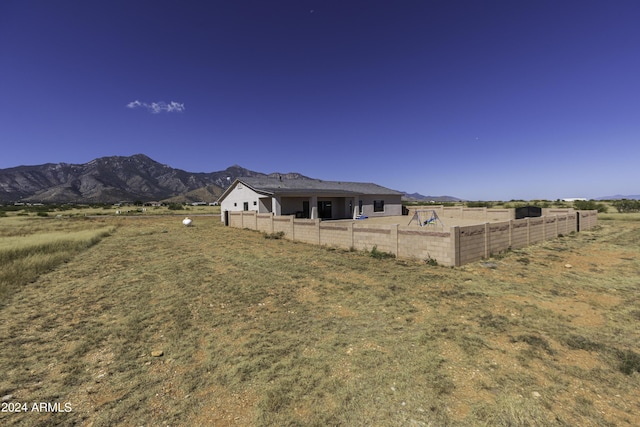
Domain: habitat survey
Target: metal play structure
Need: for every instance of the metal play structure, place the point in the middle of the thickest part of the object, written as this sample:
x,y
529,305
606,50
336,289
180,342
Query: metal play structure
x,y
426,217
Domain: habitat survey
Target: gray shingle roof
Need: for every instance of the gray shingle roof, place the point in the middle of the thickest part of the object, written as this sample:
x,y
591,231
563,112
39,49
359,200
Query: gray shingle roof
x,y
311,186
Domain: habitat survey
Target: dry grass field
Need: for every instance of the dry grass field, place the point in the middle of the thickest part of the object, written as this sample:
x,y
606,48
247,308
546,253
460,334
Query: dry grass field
x,y
265,332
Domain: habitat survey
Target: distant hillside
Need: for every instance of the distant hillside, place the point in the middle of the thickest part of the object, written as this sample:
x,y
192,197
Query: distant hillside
x,y
620,197
128,179
114,179
207,194
417,197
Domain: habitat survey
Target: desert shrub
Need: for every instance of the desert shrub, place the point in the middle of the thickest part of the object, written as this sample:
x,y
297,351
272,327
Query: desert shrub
x,y
629,361
534,341
431,261
275,236
375,253
587,205
479,204
625,205
578,342
175,207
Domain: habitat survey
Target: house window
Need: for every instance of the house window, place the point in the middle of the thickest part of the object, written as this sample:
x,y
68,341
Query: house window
x,y
246,206
255,203
235,204
378,205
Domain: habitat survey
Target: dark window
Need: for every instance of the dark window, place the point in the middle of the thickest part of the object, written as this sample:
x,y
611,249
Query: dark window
x,y
255,203
378,205
324,209
246,206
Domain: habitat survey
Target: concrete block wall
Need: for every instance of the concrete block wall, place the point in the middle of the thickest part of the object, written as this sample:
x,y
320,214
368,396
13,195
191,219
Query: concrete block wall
x,y
480,214
451,212
536,230
235,219
472,244
501,214
307,230
476,242
519,233
572,222
588,219
336,235
563,224
556,211
550,229
474,213
264,222
454,246
421,244
402,241
365,237
499,236
283,224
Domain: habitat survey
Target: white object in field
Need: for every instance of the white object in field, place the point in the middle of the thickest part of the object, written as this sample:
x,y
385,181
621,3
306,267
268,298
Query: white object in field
x,y
187,221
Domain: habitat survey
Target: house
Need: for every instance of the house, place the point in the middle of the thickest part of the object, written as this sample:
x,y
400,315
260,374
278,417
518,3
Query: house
x,y
310,198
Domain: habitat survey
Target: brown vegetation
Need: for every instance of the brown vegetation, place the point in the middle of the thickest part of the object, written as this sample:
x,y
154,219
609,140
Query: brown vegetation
x,y
257,331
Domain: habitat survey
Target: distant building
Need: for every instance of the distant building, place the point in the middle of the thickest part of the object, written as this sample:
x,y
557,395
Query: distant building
x,y
575,199
310,198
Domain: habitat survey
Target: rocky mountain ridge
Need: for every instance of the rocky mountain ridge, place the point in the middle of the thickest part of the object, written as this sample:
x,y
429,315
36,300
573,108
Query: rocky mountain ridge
x,y
113,179
127,179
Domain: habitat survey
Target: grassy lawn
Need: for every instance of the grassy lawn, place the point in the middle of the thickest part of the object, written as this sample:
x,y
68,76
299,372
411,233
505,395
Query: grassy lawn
x,y
256,331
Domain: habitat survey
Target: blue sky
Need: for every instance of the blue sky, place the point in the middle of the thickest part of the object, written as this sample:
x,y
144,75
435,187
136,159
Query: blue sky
x,y
483,100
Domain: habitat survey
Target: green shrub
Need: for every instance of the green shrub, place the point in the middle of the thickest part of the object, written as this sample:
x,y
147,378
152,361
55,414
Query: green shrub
x,y
276,236
629,361
479,204
431,261
578,342
625,205
588,205
375,253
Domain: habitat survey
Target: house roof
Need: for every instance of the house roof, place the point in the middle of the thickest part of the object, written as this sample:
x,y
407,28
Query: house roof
x,y
293,187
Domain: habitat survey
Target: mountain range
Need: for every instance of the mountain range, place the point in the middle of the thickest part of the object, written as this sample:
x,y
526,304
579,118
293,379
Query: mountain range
x,y
620,197
132,178
114,179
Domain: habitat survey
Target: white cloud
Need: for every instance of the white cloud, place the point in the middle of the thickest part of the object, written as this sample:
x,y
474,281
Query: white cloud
x,y
158,107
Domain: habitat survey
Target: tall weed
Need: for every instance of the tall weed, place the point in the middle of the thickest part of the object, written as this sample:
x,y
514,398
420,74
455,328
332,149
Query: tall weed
x,y
24,258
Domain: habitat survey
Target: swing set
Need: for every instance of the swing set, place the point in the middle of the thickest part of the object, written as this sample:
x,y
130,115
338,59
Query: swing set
x,y
426,217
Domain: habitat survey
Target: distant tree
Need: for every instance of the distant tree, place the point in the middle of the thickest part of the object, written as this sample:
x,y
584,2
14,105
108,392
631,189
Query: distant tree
x,y
626,205
479,204
587,205
540,203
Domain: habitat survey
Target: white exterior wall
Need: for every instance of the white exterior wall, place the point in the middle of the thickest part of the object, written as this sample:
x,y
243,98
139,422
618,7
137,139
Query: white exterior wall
x,y
236,199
